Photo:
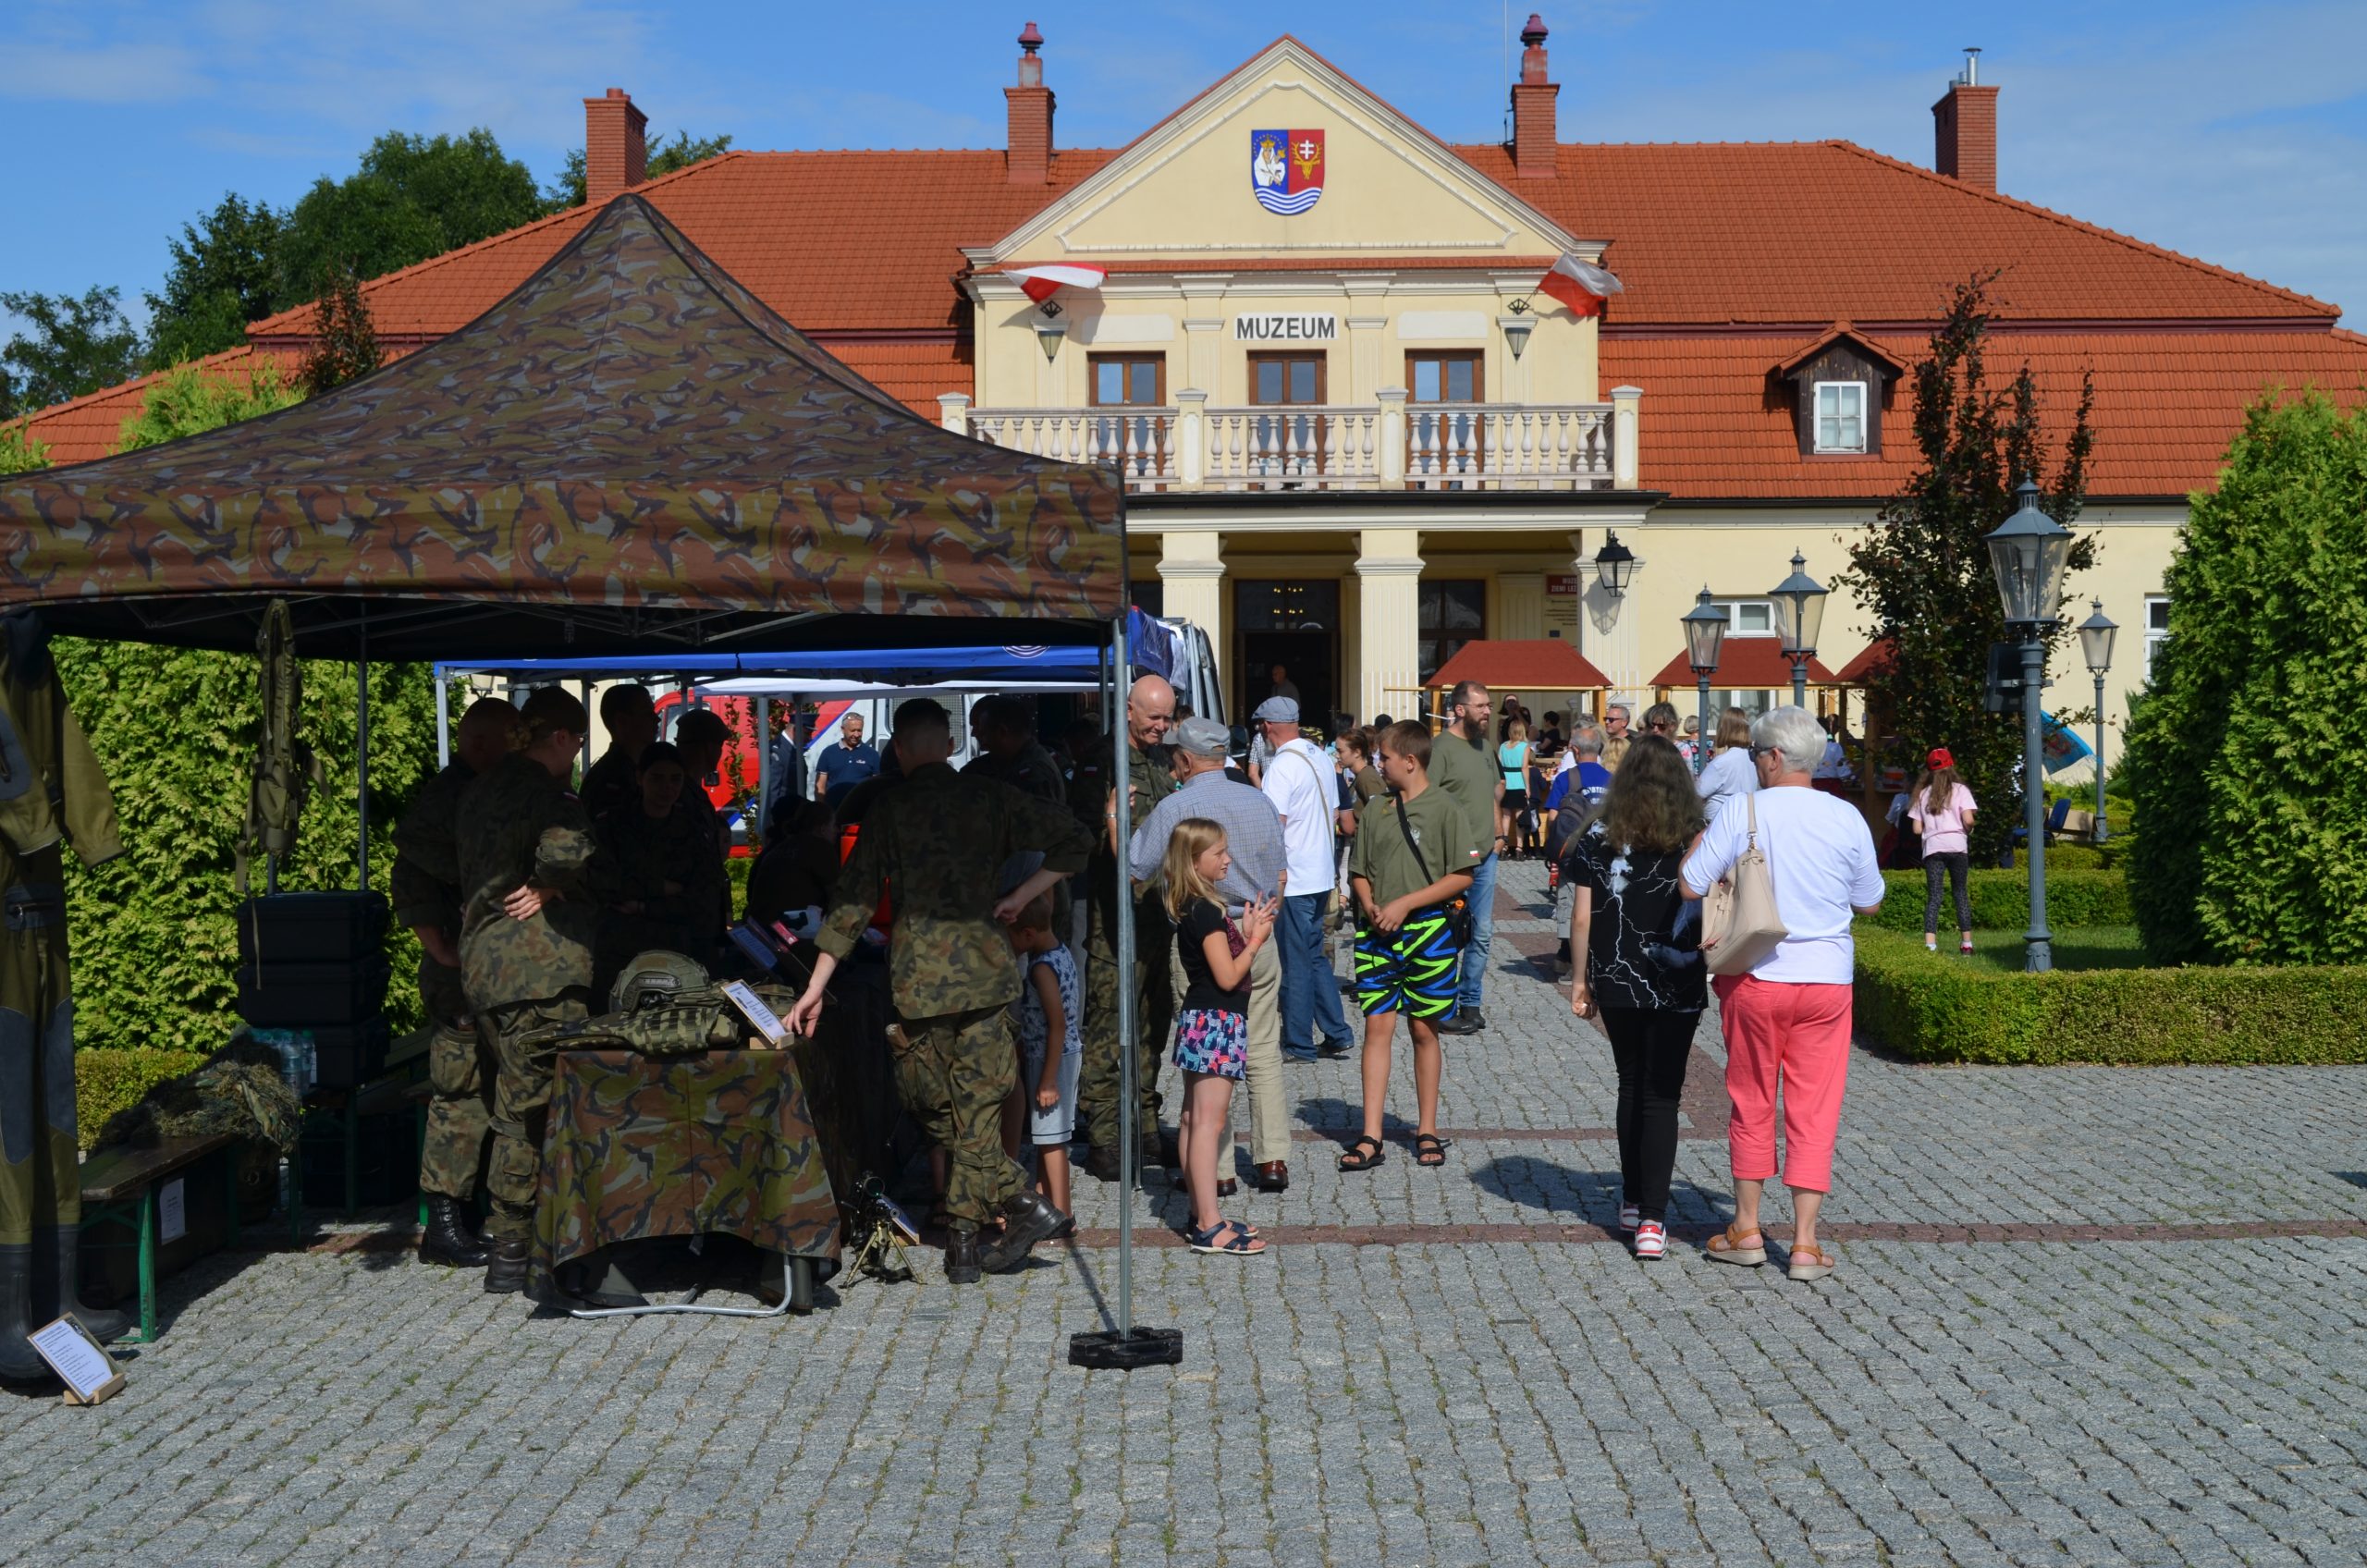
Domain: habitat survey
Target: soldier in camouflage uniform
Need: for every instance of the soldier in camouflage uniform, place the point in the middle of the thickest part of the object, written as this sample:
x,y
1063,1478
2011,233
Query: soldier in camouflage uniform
x,y
661,882
611,784
459,1061
527,929
52,790
1150,709
1009,753
939,839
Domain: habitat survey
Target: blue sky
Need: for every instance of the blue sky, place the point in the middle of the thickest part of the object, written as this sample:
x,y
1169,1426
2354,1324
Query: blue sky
x,y
2235,132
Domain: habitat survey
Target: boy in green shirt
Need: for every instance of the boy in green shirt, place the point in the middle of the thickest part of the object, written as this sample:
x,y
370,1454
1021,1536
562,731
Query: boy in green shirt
x,y
1415,852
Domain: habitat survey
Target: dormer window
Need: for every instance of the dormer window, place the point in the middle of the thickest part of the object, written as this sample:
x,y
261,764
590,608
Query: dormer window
x,y
1840,416
1838,384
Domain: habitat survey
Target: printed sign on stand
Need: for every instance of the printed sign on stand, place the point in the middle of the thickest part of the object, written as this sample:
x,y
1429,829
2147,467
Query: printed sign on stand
x,y
752,1007
81,1363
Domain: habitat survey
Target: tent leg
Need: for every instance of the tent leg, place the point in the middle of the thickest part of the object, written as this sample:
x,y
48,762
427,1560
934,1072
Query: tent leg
x,y
443,718
584,695
764,766
1124,1346
362,775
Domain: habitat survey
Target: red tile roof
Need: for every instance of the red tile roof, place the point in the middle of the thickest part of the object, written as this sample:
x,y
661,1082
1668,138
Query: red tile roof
x,y
1756,249
1717,425
1744,663
1540,664
90,426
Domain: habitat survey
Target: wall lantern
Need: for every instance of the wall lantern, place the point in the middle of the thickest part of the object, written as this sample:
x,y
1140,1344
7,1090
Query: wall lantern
x,y
1614,565
1050,328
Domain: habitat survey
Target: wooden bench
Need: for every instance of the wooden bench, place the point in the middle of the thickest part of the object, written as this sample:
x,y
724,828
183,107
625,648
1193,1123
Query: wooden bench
x,y
119,1188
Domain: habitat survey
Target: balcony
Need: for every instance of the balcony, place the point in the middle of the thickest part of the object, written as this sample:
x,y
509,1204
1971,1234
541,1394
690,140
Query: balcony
x,y
1388,445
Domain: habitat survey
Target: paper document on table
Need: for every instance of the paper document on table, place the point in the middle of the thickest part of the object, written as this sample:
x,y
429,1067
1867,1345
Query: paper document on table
x,y
753,1009
81,1365
172,1211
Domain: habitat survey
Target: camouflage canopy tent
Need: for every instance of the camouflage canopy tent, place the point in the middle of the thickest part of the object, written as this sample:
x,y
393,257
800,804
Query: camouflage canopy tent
x,y
630,454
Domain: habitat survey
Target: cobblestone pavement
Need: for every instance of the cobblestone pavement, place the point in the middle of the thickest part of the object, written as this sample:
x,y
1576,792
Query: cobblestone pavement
x,y
2083,1317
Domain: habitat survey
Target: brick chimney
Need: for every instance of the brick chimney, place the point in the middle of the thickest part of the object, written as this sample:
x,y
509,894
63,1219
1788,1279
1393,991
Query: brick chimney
x,y
616,146
1964,129
1533,155
1028,160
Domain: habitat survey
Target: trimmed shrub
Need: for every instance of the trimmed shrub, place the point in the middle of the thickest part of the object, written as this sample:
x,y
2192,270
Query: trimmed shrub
x,y
1933,1008
2000,901
2243,760
108,1079
154,933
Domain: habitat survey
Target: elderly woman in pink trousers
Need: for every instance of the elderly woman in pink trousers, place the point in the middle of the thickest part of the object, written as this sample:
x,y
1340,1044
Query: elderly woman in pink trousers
x,y
1787,1020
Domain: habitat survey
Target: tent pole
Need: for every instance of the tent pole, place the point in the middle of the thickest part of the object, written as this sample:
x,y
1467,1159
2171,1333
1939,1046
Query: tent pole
x,y
764,766
584,694
362,745
443,718
1127,1094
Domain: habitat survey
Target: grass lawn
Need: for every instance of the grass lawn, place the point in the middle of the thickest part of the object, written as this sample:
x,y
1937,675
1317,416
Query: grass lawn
x,y
2076,947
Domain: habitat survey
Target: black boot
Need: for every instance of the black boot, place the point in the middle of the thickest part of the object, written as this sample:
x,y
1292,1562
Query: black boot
x,y
19,1361
962,1257
104,1324
448,1240
505,1271
1028,1217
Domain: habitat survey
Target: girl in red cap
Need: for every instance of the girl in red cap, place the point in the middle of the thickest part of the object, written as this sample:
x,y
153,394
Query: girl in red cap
x,y
1942,810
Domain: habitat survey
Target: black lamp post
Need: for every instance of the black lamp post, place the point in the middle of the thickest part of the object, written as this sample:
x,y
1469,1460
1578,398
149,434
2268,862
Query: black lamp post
x,y
2030,553
1800,616
1614,565
2095,642
1705,634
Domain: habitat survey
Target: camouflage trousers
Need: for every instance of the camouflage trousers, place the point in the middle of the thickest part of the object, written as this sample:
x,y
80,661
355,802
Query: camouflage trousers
x,y
521,1103
41,1183
1097,1078
953,1073
460,1074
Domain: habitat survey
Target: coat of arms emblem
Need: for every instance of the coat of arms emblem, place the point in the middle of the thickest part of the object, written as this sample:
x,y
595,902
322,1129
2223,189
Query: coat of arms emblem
x,y
1286,169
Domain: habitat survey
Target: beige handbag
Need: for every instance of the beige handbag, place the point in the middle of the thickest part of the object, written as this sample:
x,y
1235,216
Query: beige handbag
x,y
1740,925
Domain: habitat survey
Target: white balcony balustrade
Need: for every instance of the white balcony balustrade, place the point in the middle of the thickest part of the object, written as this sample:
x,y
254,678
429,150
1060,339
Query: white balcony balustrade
x,y
1388,445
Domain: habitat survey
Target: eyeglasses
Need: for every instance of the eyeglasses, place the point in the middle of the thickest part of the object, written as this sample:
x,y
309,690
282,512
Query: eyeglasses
x,y
1659,729
1759,752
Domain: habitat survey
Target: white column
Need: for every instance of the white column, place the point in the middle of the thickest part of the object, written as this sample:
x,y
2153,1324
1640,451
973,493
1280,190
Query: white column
x,y
1202,348
1392,446
1389,613
1191,441
1191,567
1624,402
953,411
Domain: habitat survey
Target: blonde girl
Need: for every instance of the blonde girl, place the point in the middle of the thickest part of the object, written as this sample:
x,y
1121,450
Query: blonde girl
x,y
1212,1021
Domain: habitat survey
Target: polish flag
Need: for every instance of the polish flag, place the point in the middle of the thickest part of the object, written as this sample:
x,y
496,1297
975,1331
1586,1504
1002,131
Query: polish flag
x,y
1582,286
1040,284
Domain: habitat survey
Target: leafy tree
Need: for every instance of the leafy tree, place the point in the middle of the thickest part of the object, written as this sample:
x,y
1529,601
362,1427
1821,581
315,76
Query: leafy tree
x,y
186,402
75,346
413,197
1922,568
345,343
225,273
19,453
665,157
2243,759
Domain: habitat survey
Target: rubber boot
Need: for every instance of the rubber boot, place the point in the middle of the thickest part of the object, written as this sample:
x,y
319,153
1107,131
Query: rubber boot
x,y
447,1238
20,1362
105,1324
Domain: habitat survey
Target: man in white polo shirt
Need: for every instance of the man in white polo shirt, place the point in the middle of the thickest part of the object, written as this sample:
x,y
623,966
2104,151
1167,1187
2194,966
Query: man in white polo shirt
x,y
1304,787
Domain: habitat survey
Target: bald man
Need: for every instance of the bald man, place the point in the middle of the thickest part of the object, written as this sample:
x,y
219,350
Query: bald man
x,y
428,899
1150,710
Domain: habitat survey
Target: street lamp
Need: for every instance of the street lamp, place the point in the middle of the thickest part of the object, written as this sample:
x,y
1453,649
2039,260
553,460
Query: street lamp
x,y
1614,565
2095,642
1800,616
1705,634
2030,553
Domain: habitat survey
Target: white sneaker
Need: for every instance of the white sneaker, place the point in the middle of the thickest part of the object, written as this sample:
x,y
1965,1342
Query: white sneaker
x,y
1651,1242
1628,1215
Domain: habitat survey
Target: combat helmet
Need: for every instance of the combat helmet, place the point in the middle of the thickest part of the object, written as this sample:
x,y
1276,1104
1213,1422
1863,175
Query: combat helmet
x,y
656,976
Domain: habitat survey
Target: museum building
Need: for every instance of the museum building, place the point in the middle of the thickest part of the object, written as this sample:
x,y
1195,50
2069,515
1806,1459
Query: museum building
x,y
1355,429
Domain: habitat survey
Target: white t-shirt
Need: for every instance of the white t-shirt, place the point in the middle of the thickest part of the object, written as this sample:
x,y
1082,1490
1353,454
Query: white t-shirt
x,y
1820,857
1301,786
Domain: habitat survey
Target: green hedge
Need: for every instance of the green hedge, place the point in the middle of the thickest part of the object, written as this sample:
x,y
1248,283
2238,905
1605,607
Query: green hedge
x,y
108,1079
1933,1008
2000,901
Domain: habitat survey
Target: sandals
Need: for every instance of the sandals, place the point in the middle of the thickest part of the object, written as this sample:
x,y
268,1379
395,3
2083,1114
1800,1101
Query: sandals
x,y
1227,1238
1364,1154
1729,1246
1811,1262
1430,1150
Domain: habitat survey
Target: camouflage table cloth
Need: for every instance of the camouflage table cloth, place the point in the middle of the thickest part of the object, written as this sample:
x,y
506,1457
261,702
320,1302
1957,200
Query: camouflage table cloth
x,y
641,1146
